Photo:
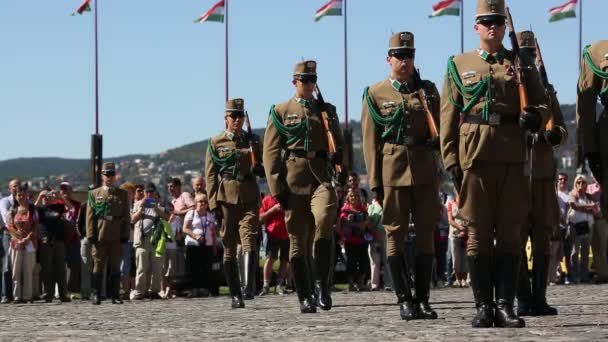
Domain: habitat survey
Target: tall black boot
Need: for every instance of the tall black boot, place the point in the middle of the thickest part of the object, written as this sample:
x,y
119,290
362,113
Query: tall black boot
x,y
540,272
302,279
234,285
96,280
524,292
250,260
322,262
507,268
116,289
424,272
407,309
481,283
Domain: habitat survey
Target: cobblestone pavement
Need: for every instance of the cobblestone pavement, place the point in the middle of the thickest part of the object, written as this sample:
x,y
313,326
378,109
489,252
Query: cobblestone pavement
x,y
356,316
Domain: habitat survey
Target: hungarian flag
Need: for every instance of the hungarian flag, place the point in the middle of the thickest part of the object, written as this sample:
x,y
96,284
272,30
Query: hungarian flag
x,y
567,10
446,7
85,7
334,7
216,13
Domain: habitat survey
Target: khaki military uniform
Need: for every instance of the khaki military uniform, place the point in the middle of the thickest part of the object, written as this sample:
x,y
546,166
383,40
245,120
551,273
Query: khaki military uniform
x,y
108,226
490,146
235,190
398,159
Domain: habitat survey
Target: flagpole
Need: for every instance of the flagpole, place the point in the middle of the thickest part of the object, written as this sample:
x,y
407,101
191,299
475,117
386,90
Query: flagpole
x,y
345,68
96,139
96,73
226,47
580,35
462,26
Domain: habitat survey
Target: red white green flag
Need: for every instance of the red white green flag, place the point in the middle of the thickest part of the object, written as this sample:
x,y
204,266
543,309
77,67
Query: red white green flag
x,y
446,7
567,10
85,7
216,13
334,7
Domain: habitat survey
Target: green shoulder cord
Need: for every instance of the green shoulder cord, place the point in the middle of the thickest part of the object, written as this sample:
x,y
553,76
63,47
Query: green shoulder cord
x,y
99,209
597,71
223,163
388,123
472,94
291,133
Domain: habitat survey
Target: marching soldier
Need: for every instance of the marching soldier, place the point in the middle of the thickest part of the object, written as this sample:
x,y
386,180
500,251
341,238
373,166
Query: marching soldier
x,y
108,224
234,196
297,168
483,130
593,84
543,218
398,146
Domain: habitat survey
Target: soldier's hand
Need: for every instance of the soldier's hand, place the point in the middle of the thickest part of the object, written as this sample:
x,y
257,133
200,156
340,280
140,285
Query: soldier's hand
x,y
530,119
92,239
283,199
336,157
379,191
457,176
553,136
433,143
258,170
595,164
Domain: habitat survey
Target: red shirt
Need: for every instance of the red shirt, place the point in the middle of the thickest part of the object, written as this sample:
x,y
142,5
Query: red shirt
x,y
275,223
352,234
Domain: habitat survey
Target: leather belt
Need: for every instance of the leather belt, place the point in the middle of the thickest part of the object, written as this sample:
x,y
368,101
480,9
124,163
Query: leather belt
x,y
408,141
495,119
240,178
308,155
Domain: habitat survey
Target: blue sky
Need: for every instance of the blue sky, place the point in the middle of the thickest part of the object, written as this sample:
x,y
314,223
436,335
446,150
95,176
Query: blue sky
x,y
162,76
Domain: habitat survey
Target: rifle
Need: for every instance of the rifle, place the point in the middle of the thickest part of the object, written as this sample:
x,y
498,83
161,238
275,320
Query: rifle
x,y
519,73
331,145
544,78
427,110
251,152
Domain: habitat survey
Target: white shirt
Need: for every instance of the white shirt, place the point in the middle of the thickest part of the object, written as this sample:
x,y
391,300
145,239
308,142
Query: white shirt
x,y
5,206
176,225
201,226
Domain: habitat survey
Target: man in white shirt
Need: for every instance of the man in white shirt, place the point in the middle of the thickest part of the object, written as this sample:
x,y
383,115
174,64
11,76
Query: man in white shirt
x,y
5,205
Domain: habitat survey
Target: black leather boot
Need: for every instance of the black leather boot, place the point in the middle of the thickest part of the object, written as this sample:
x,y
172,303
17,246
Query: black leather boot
x,y
540,273
407,308
234,286
507,268
481,284
424,272
96,280
303,282
322,262
524,292
116,289
250,260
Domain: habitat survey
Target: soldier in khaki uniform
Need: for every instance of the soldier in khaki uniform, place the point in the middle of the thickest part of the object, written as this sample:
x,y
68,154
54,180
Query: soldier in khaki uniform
x,y
297,161
234,196
543,218
398,150
108,224
483,144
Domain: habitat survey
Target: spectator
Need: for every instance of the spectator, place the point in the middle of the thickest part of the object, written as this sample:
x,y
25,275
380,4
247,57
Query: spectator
x,y
146,216
352,225
86,257
23,226
353,183
599,239
200,231
198,186
441,244
72,238
458,241
182,201
377,248
5,205
53,228
580,219
126,259
170,255
272,216
563,196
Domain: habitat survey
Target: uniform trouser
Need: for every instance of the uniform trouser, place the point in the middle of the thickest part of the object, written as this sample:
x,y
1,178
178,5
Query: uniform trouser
x,y
240,225
23,263
494,199
86,259
106,252
377,257
147,264
52,262
310,218
422,202
543,217
599,245
557,253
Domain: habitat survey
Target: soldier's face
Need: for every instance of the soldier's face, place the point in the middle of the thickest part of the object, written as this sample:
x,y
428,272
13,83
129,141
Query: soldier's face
x,y
305,87
108,179
491,29
401,63
234,122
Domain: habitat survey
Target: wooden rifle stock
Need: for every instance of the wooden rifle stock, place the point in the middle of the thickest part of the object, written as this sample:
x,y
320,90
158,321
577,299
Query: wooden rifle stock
x,y
519,76
254,160
429,115
543,75
331,144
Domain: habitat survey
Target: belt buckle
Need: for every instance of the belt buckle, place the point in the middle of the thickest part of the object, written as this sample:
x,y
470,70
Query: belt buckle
x,y
494,119
311,154
108,218
408,140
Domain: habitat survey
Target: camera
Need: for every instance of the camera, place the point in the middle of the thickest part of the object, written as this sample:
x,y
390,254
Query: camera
x,y
149,203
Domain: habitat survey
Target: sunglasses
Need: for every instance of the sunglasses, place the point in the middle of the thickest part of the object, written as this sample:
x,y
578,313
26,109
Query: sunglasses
x,y
109,174
307,79
402,55
236,115
581,182
492,21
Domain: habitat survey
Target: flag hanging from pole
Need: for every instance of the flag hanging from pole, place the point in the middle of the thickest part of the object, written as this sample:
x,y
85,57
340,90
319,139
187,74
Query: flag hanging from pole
x,y
446,7
334,7
216,13
567,10
85,7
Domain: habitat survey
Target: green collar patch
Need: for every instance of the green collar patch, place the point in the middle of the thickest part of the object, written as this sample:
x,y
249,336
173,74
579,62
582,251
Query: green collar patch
x,y
486,56
398,86
229,135
304,103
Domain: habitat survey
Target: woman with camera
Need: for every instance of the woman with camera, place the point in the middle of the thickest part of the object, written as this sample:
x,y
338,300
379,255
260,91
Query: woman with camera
x,y
353,228
199,229
580,219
